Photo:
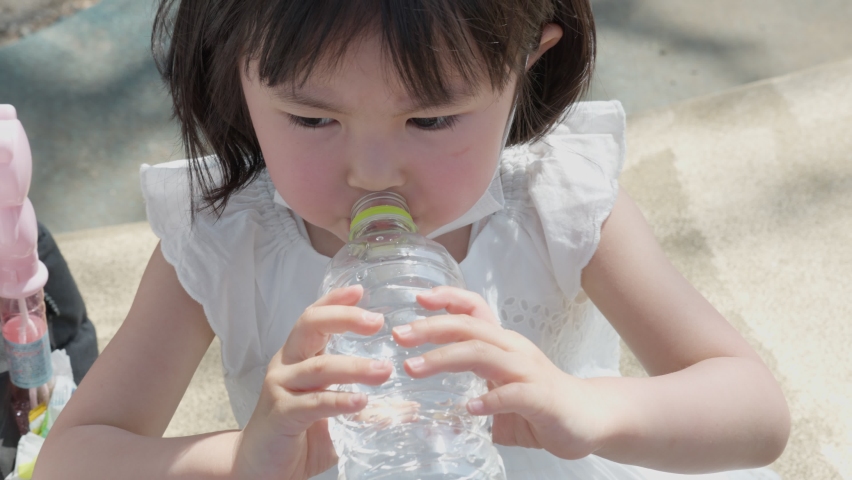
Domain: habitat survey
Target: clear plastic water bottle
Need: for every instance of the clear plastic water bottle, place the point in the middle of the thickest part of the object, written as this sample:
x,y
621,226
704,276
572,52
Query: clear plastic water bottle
x,y
411,429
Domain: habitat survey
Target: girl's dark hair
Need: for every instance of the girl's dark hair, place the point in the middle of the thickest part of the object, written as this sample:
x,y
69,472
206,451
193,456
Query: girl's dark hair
x,y
200,45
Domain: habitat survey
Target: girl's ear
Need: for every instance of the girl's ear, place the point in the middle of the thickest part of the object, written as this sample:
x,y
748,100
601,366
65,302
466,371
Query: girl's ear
x,y
550,36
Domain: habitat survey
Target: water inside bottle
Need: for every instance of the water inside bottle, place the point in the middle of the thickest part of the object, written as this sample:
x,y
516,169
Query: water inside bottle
x,y
411,429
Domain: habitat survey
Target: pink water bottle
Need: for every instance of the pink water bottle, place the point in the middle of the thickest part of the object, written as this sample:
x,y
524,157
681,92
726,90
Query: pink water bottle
x,y
22,275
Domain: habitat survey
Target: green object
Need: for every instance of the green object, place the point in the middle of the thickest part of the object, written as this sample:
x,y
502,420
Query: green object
x,y
45,426
25,471
379,210
389,212
38,423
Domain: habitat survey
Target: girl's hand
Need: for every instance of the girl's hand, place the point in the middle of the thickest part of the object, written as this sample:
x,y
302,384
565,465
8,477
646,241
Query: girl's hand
x,y
534,403
287,435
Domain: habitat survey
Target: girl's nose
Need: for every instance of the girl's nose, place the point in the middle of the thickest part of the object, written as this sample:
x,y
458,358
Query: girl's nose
x,y
375,169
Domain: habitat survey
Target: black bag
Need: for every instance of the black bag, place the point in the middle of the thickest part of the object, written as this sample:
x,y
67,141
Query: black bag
x,y
69,328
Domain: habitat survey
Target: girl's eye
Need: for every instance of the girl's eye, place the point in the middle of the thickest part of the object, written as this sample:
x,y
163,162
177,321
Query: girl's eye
x,y
307,122
435,123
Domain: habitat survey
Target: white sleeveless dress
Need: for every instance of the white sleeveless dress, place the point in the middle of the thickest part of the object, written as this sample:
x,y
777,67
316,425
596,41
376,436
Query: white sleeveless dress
x,y
254,270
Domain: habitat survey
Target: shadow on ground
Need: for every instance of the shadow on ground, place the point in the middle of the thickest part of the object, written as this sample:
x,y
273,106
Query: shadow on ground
x,y
656,52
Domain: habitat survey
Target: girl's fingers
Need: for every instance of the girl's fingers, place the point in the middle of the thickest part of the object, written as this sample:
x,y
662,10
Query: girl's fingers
x,y
313,329
319,372
520,398
483,359
442,329
350,295
457,301
302,410
333,313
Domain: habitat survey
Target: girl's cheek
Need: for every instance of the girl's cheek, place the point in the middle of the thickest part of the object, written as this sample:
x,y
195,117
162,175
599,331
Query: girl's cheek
x,y
455,181
304,156
462,161
306,175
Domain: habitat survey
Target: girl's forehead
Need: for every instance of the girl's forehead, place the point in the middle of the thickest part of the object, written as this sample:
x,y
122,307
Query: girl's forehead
x,y
340,97
367,65
370,56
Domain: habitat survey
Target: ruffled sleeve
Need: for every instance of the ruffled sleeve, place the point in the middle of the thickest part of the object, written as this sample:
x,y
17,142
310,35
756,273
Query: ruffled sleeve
x,y
573,185
166,190
214,256
250,268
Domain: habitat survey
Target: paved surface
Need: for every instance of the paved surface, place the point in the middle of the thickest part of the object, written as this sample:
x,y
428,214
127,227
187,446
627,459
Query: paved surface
x,y
19,18
92,103
90,98
656,52
750,194
107,264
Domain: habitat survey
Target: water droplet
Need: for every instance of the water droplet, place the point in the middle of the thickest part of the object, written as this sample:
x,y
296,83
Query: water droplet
x,y
471,458
380,238
359,276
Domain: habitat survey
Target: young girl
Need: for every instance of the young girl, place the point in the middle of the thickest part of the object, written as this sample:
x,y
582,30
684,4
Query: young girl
x,y
303,106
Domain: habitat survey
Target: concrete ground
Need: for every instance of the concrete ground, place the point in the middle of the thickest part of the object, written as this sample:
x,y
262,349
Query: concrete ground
x,y
20,18
750,194
91,100
656,52
94,109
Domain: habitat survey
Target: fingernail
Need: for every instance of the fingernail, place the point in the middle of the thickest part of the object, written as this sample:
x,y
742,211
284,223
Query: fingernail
x,y
378,364
415,363
403,330
356,399
373,317
475,406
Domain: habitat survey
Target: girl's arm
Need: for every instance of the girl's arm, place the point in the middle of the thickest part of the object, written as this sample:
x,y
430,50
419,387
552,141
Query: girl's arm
x,y
113,424
710,403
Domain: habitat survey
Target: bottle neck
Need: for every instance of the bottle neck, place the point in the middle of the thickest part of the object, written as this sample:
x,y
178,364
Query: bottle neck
x,y
380,212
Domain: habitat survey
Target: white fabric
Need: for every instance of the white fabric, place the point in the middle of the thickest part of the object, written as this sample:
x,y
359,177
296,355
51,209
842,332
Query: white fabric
x,y
254,270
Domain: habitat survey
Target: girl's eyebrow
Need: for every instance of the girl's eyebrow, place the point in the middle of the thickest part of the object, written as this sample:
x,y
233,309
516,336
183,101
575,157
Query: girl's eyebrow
x,y
290,95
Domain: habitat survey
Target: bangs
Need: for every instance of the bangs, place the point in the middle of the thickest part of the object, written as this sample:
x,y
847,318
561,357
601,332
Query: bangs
x,y
199,47
427,42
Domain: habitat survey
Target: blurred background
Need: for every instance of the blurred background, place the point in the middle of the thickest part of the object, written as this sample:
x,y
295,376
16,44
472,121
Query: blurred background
x,y
740,155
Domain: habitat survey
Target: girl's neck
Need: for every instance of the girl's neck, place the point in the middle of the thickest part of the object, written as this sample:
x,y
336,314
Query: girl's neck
x,y
326,243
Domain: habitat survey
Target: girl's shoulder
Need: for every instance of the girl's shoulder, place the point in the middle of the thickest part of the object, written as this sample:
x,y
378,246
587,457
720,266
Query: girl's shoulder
x,y
591,135
206,248
170,198
563,187
574,167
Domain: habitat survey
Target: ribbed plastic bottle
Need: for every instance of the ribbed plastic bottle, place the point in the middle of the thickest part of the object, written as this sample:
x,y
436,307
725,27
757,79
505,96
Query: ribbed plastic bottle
x,y
411,429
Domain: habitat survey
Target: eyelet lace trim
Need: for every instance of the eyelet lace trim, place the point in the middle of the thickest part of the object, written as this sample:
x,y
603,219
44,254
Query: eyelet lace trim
x,y
568,331
557,319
